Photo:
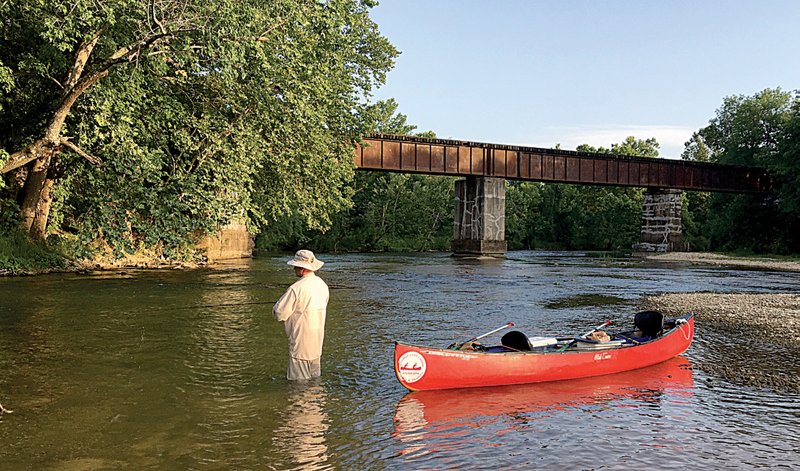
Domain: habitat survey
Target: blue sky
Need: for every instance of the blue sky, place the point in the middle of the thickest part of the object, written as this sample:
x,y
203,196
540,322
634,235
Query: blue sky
x,y
540,73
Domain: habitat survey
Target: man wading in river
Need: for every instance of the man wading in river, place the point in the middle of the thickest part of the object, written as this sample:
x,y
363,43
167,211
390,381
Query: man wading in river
x,y
303,308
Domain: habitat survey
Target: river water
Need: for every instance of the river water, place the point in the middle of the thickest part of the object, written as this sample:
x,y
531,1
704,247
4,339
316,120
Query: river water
x,y
185,370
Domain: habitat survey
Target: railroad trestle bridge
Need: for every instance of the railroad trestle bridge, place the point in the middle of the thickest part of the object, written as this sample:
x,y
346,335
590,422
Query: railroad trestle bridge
x,y
479,227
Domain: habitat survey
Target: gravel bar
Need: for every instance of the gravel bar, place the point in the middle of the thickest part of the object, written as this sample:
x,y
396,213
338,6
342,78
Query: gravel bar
x,y
761,333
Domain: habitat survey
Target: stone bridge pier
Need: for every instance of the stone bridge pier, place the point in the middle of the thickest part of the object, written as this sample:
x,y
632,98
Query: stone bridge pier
x,y
662,230
480,217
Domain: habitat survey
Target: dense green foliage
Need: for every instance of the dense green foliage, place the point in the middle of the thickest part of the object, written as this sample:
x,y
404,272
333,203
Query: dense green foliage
x,y
574,216
200,112
761,131
390,211
19,255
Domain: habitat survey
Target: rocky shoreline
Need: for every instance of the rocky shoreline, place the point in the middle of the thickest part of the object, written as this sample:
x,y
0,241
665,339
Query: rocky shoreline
x,y
763,328
715,259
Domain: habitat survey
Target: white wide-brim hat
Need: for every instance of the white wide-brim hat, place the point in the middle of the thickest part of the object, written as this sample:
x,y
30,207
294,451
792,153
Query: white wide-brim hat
x,y
306,259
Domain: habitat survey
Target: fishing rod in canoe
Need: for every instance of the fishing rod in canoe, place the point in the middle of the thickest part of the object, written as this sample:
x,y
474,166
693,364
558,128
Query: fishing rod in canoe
x,y
586,335
456,346
604,324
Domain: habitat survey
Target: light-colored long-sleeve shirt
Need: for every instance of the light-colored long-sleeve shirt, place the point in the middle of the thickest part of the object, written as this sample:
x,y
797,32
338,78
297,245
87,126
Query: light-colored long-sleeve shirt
x,y
303,309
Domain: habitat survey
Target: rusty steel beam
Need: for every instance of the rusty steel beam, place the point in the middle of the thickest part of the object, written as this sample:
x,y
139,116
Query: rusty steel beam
x,y
462,158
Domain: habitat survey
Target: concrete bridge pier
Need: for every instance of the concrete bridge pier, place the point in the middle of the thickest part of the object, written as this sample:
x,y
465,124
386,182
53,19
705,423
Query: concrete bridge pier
x,y
662,230
480,217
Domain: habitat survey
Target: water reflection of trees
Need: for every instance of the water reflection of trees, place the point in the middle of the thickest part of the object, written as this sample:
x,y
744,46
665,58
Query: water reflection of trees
x,y
223,365
303,427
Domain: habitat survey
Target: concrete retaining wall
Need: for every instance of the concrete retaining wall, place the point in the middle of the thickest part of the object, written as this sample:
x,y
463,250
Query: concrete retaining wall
x,y
232,241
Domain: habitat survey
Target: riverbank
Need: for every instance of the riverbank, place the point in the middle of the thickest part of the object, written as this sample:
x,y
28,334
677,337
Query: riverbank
x,y
763,328
707,258
20,257
91,266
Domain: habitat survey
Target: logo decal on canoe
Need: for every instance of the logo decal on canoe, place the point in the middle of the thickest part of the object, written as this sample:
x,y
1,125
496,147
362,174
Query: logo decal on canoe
x,y
411,367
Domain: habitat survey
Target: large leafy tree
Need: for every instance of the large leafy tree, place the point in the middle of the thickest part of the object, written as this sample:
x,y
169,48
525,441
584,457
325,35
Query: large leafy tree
x,y
758,130
787,162
157,119
695,204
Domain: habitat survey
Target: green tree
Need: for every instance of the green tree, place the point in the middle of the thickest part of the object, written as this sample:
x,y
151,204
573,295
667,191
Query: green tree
x,y
151,121
523,215
393,211
748,130
786,167
695,205
696,150
610,217
755,131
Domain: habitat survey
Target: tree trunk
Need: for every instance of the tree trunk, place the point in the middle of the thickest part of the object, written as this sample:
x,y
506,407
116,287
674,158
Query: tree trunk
x,y
39,228
37,199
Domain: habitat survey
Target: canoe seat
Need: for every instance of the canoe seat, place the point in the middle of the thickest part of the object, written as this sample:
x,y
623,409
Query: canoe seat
x,y
651,323
516,340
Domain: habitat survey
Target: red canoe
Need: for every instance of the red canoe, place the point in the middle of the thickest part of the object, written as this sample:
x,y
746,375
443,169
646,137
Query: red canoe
x,y
422,368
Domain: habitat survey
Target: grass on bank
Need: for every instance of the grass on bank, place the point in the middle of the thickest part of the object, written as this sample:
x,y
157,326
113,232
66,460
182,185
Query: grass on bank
x,y
19,255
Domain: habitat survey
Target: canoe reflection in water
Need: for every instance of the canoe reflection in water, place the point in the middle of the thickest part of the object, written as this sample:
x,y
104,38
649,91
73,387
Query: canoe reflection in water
x,y
304,425
430,421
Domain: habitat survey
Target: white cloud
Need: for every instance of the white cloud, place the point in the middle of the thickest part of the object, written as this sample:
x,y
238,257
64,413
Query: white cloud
x,y
671,138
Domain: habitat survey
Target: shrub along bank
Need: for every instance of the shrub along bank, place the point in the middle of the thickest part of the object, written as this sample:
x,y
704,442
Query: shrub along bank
x,y
18,256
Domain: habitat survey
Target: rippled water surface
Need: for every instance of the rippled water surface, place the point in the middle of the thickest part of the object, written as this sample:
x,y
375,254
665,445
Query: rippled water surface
x,y
185,370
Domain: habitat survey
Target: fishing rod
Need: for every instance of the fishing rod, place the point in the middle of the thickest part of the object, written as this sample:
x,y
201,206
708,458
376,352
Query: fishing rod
x,y
604,324
455,346
587,334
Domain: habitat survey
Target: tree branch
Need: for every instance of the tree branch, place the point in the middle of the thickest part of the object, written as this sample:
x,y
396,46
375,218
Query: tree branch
x,y
155,18
22,157
44,148
56,81
264,37
81,58
75,86
65,141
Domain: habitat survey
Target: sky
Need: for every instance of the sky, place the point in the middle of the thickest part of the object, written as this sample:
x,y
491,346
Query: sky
x,y
571,72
